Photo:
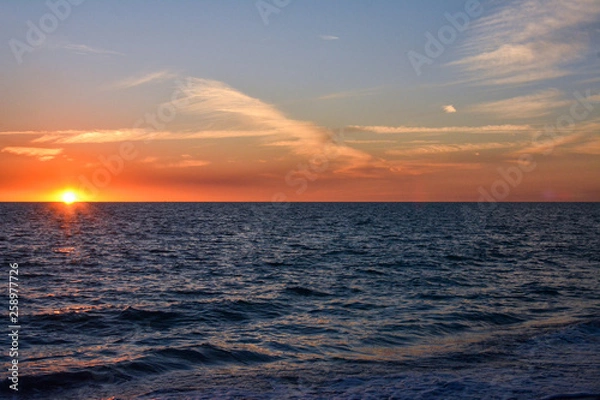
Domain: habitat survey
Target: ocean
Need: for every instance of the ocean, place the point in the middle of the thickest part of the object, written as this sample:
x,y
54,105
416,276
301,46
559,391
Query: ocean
x,y
302,301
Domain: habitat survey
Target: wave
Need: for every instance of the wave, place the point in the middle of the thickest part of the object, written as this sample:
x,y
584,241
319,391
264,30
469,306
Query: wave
x,y
306,292
553,360
155,362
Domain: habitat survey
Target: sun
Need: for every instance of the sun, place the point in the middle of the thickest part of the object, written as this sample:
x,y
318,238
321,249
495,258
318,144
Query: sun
x,y
69,197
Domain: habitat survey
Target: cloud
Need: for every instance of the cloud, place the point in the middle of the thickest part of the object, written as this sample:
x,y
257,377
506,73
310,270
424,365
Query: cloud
x,y
445,129
530,106
590,147
304,138
149,160
449,109
186,164
351,93
212,109
41,153
546,145
328,37
156,162
590,80
219,106
417,167
121,135
151,77
528,41
594,99
89,50
373,141
22,132
449,148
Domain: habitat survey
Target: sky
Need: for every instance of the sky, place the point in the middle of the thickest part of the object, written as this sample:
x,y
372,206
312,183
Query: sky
x,y
300,100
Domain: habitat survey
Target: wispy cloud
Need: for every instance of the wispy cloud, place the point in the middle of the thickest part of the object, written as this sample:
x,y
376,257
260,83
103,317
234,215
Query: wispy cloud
x,y
328,37
121,135
89,50
590,147
418,167
352,93
186,164
133,81
40,153
436,149
522,107
562,144
220,106
212,109
444,129
590,80
528,41
149,160
25,132
369,141
449,109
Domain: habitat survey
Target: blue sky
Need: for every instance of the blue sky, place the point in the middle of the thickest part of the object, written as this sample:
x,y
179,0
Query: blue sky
x,y
291,61
490,86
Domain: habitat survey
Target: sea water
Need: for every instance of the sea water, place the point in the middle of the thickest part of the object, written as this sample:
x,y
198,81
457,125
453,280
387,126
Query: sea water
x,y
303,301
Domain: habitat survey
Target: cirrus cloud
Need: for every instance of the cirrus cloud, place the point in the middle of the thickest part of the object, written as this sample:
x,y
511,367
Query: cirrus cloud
x,y
212,109
40,153
133,81
534,105
528,41
444,129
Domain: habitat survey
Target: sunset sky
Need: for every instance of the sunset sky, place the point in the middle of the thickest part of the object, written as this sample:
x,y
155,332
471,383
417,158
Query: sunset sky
x,y
300,100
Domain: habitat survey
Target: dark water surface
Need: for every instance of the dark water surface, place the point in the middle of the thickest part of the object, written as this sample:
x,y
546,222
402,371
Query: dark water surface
x,y
346,301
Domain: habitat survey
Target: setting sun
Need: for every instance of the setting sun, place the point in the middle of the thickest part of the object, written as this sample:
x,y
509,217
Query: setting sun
x,y
69,197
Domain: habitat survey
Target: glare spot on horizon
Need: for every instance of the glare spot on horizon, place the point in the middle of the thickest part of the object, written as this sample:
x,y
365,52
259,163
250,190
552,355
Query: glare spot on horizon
x,y
69,197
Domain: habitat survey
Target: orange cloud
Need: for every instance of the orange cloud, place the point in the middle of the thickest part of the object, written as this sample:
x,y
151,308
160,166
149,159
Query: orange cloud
x,y
449,148
40,153
213,110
